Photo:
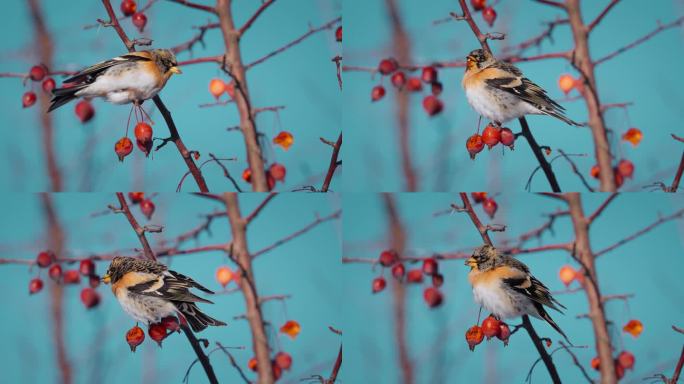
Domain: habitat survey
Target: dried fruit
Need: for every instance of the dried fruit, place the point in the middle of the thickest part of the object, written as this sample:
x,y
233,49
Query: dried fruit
x,y
491,327
433,297
387,66
490,206
37,72
414,84
566,83
89,297
128,7
633,135
48,84
284,139
377,93
398,271
71,276
147,208
398,79
28,99
491,136
44,259
474,336
634,327
35,285
489,15
507,137
157,332
625,168
432,105
504,332
224,275
388,258
626,360
84,111
291,328
338,34
567,274
278,171
429,75
414,276
283,360
379,284
136,197
123,147
171,323
55,272
134,337
139,20
474,145
430,267
86,267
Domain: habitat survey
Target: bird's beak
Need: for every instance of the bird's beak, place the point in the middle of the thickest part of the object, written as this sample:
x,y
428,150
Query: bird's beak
x,y
175,70
106,279
471,262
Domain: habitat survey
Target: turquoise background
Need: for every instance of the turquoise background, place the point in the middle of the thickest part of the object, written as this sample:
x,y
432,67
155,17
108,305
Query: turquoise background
x,y
308,268
649,267
645,75
302,78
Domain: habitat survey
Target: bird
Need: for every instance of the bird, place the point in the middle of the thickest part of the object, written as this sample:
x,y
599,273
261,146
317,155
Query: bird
x,y
504,286
130,78
500,92
148,291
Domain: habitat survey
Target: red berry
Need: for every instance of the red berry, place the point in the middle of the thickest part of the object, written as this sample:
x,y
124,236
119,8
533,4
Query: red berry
x,y
398,79
507,137
490,206
433,297
504,332
217,87
626,360
84,111
252,364
28,99
491,136
35,286
37,72
388,258
71,277
436,88
139,20
491,327
478,5
44,259
387,66
94,281
86,267
398,271
123,147
136,197
489,15
413,84
625,168
474,145
270,180
619,179
596,363
594,171
474,336
414,276
277,171
429,75
55,272
432,105
619,371
437,280
48,84
430,267
134,337
377,93
283,360
247,175
147,208
277,371
338,34
143,136
379,284
89,297
478,197
171,323
128,7
566,83
157,332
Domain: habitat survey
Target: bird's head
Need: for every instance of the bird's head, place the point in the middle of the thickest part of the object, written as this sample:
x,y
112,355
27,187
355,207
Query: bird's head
x,y
484,258
477,59
117,268
166,61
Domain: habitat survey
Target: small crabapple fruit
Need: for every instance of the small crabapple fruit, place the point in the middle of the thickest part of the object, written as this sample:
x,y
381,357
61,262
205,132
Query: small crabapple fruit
x,y
504,333
134,337
377,93
491,136
566,83
247,175
338,34
625,168
28,99
35,285
619,179
432,105
474,145
436,88
387,66
433,297
37,72
84,111
388,258
147,208
224,275
94,281
489,15
594,172
86,267
437,280
89,297
270,181
139,20
478,5
283,360
278,171
619,371
157,332
217,87
596,363
143,137
429,75
171,323
48,84
398,79
277,371
136,197
252,364
430,267
491,327
123,147
55,272
626,360
507,137
414,276
414,84
398,271
474,336
128,7
71,276
478,197
567,274
379,284
490,206
44,259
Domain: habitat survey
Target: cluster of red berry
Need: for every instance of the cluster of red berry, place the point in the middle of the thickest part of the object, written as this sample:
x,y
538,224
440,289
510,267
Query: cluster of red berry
x,y
431,103
491,327
281,361
275,172
157,331
129,8
146,205
143,139
624,169
489,205
432,295
624,360
491,136
488,13
89,296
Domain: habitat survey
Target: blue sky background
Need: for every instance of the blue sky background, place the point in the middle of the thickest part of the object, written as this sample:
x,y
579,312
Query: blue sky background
x,y
303,79
308,268
642,75
649,267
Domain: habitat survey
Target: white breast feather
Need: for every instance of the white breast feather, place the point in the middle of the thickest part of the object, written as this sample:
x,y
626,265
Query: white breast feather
x,y
145,309
124,87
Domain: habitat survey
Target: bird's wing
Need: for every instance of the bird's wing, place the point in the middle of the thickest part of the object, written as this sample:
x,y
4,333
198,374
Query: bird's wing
x,y
170,286
89,74
535,290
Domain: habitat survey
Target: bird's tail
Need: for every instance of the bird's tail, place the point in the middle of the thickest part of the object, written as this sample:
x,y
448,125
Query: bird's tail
x,y
563,118
64,95
198,320
545,315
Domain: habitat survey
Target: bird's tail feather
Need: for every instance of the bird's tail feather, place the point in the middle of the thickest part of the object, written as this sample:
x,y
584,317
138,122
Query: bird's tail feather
x,y
64,95
563,118
544,315
198,321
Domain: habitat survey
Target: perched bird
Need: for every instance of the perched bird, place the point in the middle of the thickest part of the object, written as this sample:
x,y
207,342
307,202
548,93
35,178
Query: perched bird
x,y
504,286
499,91
149,291
133,77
